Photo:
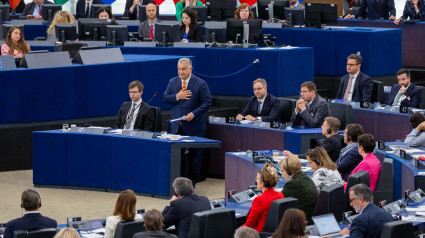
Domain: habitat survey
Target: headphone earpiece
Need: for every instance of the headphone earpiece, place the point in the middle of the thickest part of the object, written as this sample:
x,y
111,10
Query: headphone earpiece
x,y
288,171
329,130
348,138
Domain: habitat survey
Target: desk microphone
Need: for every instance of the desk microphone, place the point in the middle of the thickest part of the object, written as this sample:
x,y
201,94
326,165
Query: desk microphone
x,y
272,163
152,98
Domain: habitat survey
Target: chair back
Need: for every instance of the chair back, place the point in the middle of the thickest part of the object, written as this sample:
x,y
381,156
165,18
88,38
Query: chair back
x,y
422,104
359,177
43,233
158,120
329,201
397,229
378,92
342,111
287,106
127,229
384,188
220,222
276,211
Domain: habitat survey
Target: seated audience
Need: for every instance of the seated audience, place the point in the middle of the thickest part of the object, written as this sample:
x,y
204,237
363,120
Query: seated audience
x,y
183,4
147,28
61,17
405,93
416,136
141,116
325,171
83,9
355,86
154,225
351,6
15,44
414,9
131,8
292,225
266,181
371,218
311,109
298,185
32,219
244,12
67,232
349,156
295,4
33,10
376,10
263,106
369,163
183,205
334,141
190,30
125,210
104,13
246,232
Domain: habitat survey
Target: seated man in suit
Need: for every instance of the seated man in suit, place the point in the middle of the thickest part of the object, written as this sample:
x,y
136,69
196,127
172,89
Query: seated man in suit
x,y
147,28
131,9
183,205
32,220
371,218
311,108
355,86
376,9
404,93
262,106
84,8
136,114
349,156
33,10
334,141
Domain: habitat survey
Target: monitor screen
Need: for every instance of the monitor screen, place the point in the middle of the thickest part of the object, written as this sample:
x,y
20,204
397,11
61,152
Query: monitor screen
x,y
66,32
96,7
171,32
93,29
321,12
326,224
142,12
234,30
215,34
296,16
202,12
48,11
278,9
116,34
4,13
220,10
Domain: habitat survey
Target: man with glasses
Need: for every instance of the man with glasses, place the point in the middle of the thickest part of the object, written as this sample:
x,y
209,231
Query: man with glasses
x,y
136,114
371,218
263,106
349,156
355,86
311,109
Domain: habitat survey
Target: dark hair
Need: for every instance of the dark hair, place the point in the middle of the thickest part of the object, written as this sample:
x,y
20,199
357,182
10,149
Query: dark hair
x,y
356,57
310,85
137,84
268,175
105,9
321,158
153,220
416,119
362,190
367,141
193,15
21,45
30,199
125,207
292,224
334,123
243,6
354,131
183,186
403,71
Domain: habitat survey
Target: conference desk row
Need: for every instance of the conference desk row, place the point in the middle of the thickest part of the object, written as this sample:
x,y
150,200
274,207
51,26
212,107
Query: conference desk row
x,y
110,162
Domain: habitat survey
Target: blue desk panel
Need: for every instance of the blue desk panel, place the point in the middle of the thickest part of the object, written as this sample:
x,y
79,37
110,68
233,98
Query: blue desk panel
x,y
109,161
380,48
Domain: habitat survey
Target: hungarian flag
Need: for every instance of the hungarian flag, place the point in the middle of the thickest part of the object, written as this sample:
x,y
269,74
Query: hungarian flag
x,y
250,2
14,3
61,1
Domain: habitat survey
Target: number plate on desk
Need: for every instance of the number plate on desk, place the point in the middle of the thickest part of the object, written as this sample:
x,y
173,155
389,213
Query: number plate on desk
x,y
230,119
364,104
275,125
381,145
404,109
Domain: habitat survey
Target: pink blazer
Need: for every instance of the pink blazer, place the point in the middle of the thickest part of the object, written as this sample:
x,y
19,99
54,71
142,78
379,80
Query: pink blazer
x,y
5,51
371,164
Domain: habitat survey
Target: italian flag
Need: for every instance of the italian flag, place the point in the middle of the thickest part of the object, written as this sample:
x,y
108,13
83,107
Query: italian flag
x,y
61,1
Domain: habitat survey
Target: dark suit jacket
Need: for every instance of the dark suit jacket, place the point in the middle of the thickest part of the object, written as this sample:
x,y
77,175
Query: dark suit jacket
x,y
370,222
194,34
314,116
385,9
81,8
144,29
180,212
362,88
19,8
133,15
333,146
145,117
198,104
29,222
349,162
413,96
302,188
269,112
153,234
29,8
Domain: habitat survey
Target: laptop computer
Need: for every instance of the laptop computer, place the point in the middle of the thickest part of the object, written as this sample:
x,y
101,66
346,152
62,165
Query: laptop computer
x,y
327,225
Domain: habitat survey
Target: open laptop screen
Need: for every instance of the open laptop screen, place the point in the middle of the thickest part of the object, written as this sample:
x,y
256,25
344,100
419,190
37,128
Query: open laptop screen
x,y
326,224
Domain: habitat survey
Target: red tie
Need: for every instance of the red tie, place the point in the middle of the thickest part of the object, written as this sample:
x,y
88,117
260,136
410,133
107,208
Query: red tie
x,y
39,10
184,86
151,32
347,90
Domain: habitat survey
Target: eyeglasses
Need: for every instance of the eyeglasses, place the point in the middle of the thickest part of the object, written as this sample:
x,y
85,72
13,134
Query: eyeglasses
x,y
351,65
258,89
301,92
133,92
351,200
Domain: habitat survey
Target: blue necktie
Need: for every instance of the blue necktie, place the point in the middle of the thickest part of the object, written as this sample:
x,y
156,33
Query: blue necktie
x,y
259,107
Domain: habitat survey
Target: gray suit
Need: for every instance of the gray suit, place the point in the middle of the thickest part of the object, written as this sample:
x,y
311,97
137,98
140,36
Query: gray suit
x,y
314,116
144,29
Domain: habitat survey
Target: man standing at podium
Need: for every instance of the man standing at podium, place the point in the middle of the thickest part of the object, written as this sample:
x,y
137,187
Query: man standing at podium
x,y
190,98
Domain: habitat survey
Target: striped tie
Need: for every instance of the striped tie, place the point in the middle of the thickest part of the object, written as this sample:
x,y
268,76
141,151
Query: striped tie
x,y
130,118
151,32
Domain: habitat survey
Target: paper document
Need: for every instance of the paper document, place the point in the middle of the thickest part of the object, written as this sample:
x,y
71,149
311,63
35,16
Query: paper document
x,y
246,122
116,131
420,214
415,209
179,119
413,219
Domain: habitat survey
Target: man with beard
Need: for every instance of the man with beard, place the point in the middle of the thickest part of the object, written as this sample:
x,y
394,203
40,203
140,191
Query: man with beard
x,y
147,28
404,93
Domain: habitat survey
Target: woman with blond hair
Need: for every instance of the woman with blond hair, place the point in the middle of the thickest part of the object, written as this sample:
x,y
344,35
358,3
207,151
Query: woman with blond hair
x,y
325,171
67,232
61,17
125,210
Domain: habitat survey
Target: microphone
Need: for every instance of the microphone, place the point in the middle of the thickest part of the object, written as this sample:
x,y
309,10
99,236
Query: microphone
x,y
152,98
